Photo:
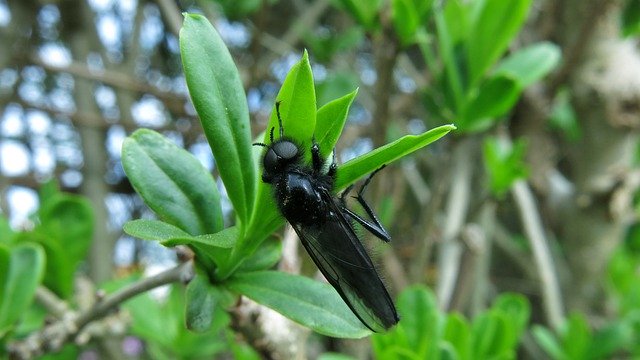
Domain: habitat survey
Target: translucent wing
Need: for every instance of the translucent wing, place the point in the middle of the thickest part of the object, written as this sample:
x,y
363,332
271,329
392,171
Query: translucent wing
x,y
335,248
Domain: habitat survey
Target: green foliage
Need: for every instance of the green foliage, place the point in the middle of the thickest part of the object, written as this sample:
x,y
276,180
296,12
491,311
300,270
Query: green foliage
x,y
425,332
325,44
563,117
505,164
174,184
162,324
64,229
238,9
21,271
471,84
631,18
576,340
365,12
409,19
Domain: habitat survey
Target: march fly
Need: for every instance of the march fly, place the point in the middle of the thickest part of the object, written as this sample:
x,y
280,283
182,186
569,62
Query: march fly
x,y
324,224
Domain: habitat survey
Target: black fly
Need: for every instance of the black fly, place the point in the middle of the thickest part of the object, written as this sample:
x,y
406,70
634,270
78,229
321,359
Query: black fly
x,y
304,197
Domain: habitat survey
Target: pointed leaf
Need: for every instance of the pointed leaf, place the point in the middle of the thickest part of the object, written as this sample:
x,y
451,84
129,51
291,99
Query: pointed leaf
x,y
330,122
308,302
365,164
218,96
298,112
531,63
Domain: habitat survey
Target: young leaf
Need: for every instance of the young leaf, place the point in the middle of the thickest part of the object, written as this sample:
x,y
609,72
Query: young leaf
x,y
172,182
68,220
265,257
547,340
531,63
365,12
406,20
305,301
22,271
494,24
354,169
330,122
505,164
201,301
218,96
495,96
298,113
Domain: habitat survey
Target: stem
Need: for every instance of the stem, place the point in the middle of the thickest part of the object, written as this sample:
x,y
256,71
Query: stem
x,y
542,256
54,336
457,207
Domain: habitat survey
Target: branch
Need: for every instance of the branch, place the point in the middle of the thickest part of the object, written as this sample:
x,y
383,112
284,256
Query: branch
x,y
53,336
457,207
542,256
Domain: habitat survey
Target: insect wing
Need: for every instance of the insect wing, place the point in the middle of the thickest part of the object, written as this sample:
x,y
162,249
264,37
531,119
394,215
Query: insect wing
x,y
335,248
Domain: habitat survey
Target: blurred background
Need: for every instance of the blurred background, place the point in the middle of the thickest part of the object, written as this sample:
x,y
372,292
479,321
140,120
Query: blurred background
x,y
536,193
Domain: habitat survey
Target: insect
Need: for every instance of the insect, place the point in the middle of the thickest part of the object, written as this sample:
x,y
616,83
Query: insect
x,y
324,224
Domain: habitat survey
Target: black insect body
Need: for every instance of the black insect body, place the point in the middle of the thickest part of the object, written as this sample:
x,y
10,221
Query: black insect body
x,y
303,194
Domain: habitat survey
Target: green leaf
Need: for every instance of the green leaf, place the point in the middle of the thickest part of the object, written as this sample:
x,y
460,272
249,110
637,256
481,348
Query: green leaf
x,y
67,220
201,302
452,81
495,96
365,12
406,20
266,257
365,164
330,122
577,337
420,318
22,270
153,230
335,356
6,233
614,337
493,26
297,98
172,182
298,112
563,117
548,342
170,235
225,239
517,311
218,97
504,163
458,333
631,18
305,301
531,63
162,325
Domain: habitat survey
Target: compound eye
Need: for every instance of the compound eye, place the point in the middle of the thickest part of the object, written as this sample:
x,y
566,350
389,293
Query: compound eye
x,y
270,161
286,150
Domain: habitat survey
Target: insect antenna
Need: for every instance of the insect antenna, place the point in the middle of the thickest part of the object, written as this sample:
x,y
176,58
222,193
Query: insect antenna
x,y
279,121
260,144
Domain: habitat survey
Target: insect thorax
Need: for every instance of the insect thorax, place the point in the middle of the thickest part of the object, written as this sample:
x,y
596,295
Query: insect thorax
x,y
299,197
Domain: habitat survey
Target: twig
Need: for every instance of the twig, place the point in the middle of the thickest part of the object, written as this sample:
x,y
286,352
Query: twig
x,y
542,256
51,302
52,337
457,207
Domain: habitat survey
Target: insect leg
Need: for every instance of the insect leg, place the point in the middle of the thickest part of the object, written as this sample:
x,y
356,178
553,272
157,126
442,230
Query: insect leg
x,y
373,225
316,159
333,168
